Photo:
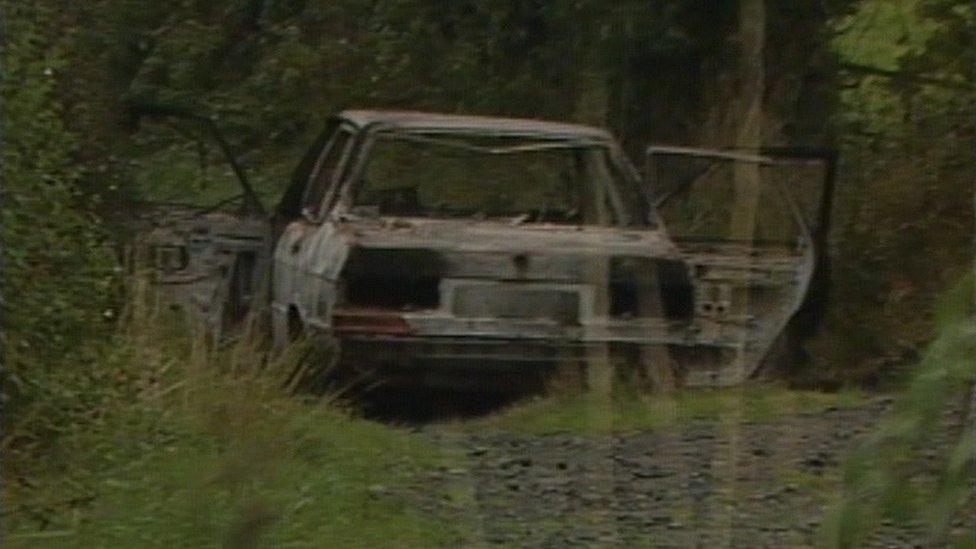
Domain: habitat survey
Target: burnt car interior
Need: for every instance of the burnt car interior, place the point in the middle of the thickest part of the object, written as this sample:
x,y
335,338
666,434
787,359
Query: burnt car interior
x,y
405,279
519,179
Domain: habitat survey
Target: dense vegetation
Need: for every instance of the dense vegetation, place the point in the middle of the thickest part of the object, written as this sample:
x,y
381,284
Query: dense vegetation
x,y
889,82
904,217
58,272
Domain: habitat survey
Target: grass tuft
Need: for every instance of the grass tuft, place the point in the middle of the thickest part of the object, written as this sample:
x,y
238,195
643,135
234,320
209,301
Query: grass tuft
x,y
206,447
632,410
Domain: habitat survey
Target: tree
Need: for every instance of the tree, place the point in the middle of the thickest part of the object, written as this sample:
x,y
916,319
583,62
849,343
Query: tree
x,y
58,275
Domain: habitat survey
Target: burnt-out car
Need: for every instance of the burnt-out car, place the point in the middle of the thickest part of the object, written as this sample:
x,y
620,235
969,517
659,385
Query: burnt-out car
x,y
438,248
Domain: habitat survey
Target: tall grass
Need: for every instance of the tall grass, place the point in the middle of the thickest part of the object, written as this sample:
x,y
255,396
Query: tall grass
x,y
204,444
918,469
630,409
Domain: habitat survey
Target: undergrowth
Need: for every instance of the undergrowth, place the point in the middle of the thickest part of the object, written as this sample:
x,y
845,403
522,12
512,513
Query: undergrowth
x,y
206,448
919,467
630,409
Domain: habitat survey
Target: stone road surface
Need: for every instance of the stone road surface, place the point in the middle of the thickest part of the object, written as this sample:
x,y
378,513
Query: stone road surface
x,y
702,484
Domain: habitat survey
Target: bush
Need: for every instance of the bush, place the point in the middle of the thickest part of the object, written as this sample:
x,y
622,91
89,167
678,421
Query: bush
x,y
888,477
59,276
201,445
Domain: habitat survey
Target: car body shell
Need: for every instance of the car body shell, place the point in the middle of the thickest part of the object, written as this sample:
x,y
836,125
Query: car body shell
x,y
420,296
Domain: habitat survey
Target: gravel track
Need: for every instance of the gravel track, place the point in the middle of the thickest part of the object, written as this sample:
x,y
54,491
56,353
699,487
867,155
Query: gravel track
x,y
701,484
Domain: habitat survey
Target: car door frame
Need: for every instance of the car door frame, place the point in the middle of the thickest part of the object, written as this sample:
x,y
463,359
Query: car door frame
x,y
297,283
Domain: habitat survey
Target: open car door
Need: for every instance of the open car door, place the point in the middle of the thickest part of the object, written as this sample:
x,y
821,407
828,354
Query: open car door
x,y
752,227
208,256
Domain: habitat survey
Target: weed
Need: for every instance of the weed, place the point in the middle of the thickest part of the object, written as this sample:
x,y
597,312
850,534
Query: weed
x,y
209,449
632,410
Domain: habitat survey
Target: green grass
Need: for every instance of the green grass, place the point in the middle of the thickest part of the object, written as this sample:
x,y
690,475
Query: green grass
x,y
298,475
629,410
886,478
210,452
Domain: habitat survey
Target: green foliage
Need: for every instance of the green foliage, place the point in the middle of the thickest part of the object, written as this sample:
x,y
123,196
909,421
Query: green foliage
x,y
203,447
887,477
272,74
296,478
903,202
133,461
58,273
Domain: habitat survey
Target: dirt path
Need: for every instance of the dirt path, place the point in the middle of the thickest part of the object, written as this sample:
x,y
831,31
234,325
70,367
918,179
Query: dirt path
x,y
703,484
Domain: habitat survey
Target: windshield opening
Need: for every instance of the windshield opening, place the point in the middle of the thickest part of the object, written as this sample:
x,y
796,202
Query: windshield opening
x,y
524,180
698,197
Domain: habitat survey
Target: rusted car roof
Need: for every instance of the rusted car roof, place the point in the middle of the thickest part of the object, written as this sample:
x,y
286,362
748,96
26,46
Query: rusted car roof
x,y
450,123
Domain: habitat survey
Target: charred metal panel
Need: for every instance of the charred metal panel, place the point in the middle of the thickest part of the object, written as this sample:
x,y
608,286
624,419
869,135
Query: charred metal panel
x,y
517,301
476,236
464,292
210,266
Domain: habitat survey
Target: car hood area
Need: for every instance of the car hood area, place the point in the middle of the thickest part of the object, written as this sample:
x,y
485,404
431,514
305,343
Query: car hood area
x,y
494,236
